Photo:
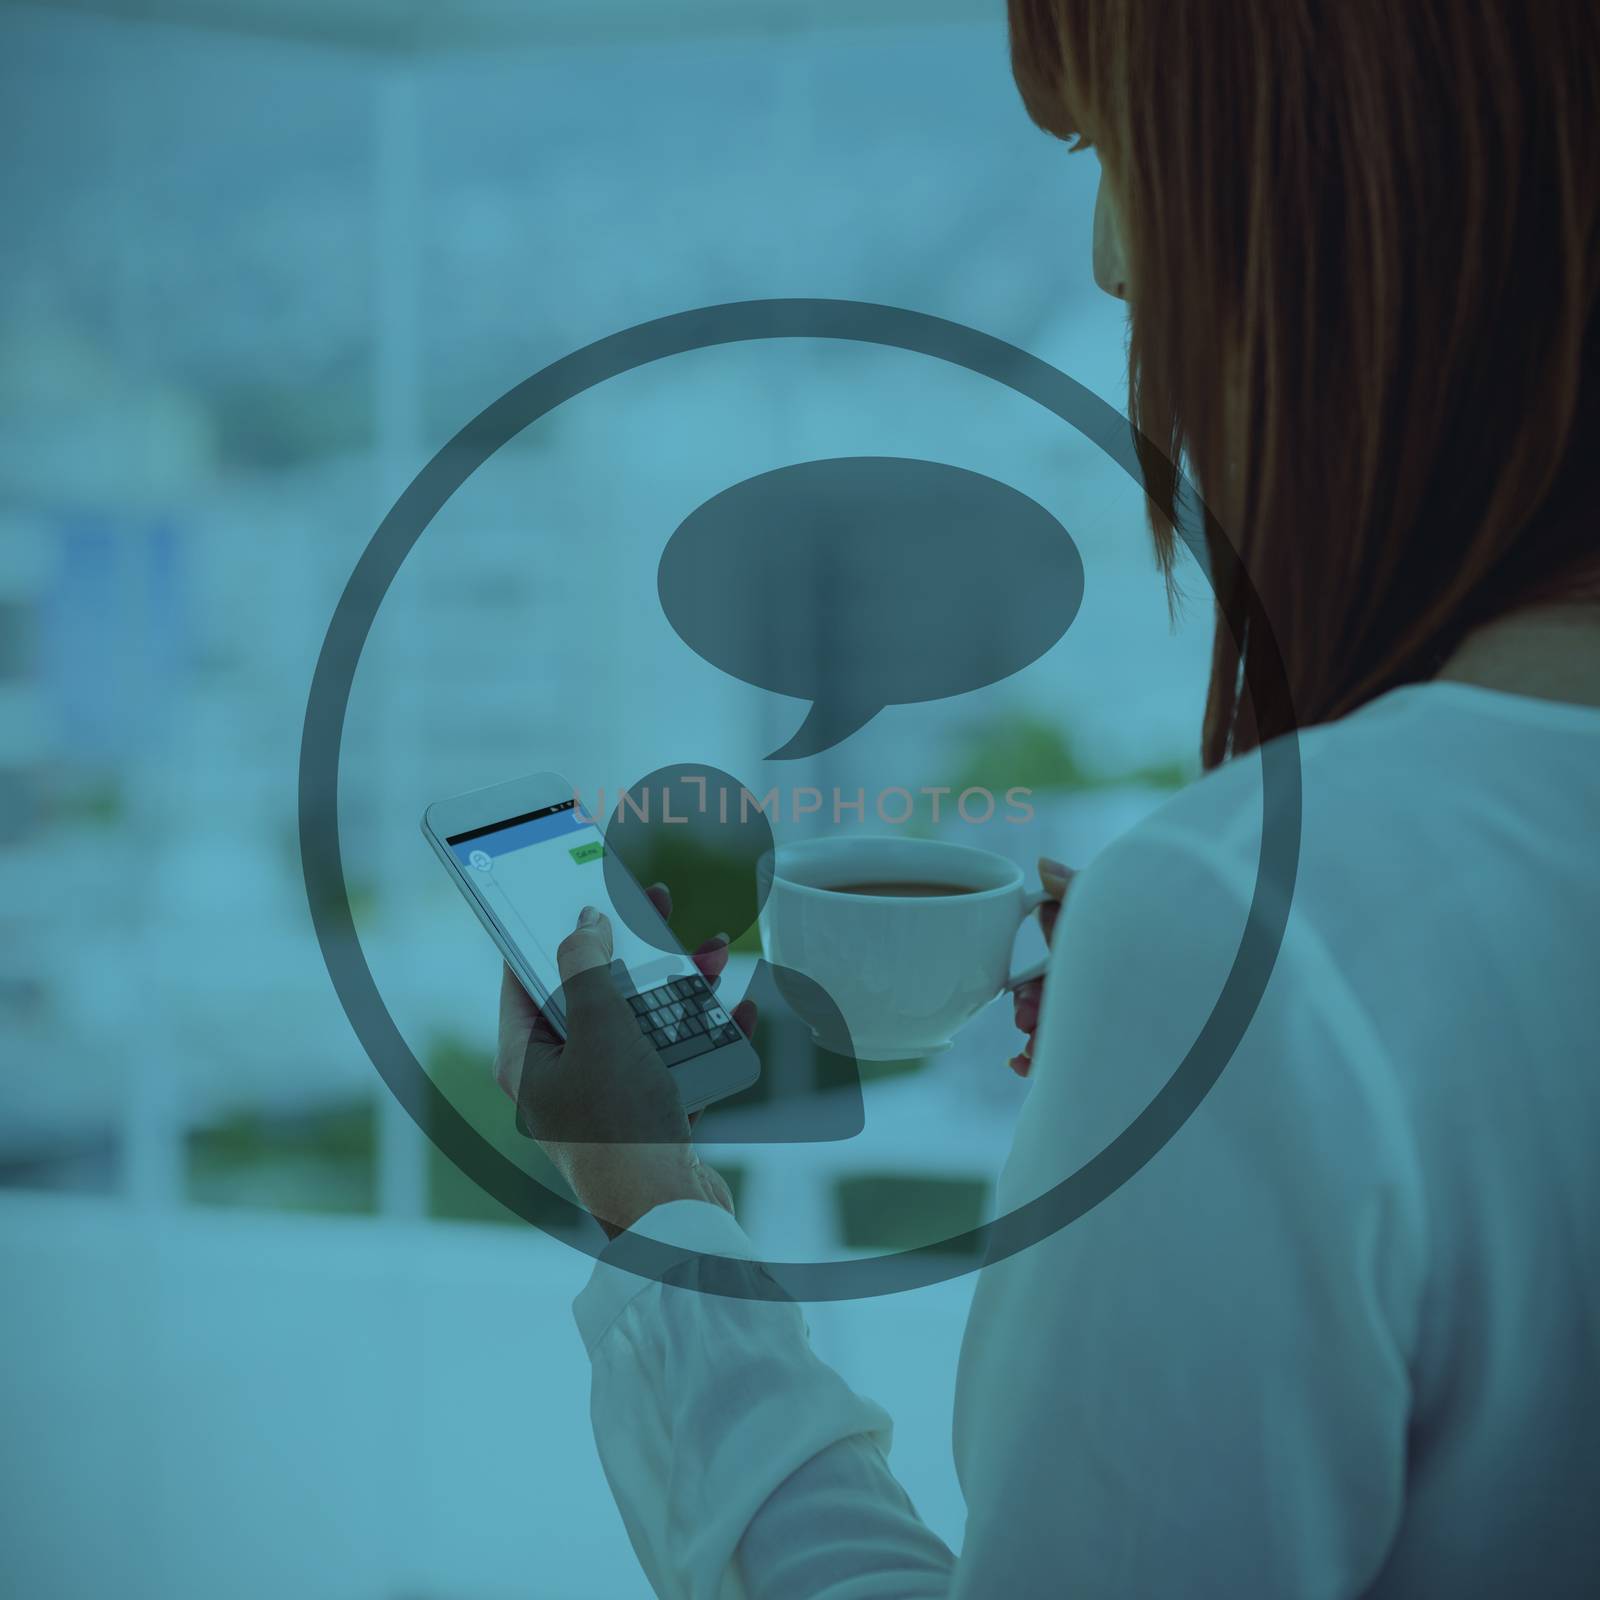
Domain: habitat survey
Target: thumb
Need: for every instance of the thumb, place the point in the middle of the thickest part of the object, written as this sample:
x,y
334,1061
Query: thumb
x,y
1056,878
590,994
588,945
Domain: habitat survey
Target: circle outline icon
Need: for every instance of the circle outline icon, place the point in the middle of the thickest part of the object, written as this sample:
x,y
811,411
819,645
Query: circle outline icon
x,y
734,322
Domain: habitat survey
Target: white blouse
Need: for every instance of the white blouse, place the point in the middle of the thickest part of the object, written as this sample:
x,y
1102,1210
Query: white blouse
x,y
1340,1336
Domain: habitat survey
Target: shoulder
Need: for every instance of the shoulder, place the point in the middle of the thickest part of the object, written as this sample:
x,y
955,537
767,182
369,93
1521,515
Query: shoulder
x,y
1310,792
1220,926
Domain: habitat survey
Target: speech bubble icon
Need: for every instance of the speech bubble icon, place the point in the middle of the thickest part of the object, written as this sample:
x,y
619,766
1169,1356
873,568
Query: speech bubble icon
x,y
859,582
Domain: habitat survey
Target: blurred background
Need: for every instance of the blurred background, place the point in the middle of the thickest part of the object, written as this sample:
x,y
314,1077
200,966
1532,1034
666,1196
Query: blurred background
x,y
262,257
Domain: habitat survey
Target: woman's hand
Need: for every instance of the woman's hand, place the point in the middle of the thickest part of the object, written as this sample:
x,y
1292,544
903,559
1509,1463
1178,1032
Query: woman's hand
x,y
1056,879
602,1103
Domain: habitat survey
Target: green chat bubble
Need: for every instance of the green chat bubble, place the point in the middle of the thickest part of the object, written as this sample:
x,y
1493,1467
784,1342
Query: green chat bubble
x,y
587,852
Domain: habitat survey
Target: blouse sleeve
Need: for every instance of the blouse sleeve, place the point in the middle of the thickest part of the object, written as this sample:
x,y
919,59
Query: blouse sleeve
x,y
744,1467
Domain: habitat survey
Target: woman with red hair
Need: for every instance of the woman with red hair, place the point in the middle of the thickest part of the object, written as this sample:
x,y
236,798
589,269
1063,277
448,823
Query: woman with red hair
x,y
1341,1336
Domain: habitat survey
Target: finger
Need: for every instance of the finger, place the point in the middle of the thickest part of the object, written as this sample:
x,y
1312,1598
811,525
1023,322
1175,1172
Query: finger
x,y
590,996
1056,878
1023,1061
543,1035
715,1185
525,1034
1048,913
660,896
712,957
515,1004
745,1015
586,947
1025,1005
518,1014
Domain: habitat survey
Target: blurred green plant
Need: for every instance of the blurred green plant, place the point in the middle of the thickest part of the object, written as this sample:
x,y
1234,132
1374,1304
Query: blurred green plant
x,y
1028,751
319,1161
895,1211
709,887
830,1071
99,802
460,1072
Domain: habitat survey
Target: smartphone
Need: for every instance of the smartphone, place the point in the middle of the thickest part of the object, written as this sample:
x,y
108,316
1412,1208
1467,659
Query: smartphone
x,y
528,860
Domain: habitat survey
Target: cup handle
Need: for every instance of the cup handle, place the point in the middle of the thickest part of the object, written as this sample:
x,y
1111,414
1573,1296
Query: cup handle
x,y
1039,968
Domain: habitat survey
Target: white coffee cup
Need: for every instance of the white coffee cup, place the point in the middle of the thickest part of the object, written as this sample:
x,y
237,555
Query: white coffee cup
x,y
904,971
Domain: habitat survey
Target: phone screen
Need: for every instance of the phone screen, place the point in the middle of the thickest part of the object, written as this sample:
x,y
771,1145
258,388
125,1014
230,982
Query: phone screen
x,y
538,871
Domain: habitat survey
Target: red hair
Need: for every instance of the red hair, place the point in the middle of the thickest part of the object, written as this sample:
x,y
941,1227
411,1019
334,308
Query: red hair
x,y
1364,238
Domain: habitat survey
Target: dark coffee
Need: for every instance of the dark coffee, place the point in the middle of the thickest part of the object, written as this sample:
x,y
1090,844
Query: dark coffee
x,y
905,891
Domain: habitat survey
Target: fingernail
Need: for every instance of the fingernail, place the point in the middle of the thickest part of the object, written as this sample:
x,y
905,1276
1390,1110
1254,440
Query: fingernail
x,y
720,938
588,917
658,885
1054,876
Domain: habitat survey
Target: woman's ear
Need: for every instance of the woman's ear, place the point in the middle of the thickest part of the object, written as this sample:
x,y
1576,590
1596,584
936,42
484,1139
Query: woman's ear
x,y
1110,261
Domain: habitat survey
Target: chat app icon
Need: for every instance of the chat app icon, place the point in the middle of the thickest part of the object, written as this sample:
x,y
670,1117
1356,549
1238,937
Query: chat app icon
x,y
860,582
480,861
1029,598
